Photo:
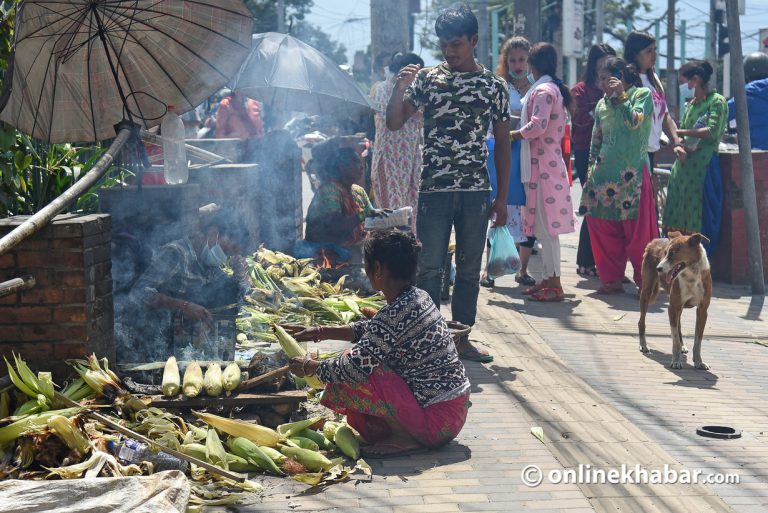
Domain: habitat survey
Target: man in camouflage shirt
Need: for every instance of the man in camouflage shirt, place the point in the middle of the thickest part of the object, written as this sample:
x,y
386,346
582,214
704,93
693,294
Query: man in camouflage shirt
x,y
459,99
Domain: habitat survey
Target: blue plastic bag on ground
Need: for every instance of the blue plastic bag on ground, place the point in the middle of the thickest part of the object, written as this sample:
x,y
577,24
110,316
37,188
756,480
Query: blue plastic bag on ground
x,y
503,258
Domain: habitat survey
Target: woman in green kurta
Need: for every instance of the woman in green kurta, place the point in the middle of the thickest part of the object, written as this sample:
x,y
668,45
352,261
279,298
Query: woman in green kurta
x,y
702,127
617,199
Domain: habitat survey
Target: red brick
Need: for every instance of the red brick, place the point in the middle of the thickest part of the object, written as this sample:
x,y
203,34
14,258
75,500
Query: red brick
x,y
69,314
9,300
26,314
41,296
28,351
50,259
69,278
67,243
8,261
73,295
67,350
52,332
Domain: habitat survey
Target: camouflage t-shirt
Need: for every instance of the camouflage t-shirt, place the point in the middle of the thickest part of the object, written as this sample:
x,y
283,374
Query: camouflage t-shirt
x,y
457,106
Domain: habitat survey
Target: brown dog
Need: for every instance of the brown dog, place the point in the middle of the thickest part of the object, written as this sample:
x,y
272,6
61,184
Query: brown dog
x,y
681,265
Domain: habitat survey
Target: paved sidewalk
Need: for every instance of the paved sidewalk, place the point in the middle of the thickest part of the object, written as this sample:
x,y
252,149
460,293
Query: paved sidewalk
x,y
574,369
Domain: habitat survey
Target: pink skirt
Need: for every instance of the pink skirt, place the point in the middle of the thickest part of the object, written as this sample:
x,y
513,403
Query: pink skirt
x,y
386,395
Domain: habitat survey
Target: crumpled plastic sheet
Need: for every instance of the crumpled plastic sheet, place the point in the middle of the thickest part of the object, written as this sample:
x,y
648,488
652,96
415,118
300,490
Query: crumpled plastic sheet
x,y
163,492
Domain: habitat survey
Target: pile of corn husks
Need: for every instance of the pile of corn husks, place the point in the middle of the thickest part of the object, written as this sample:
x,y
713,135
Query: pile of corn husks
x,y
289,291
40,438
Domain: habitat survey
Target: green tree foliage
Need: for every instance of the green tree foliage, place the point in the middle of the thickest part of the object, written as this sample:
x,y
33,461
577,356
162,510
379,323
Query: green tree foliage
x,y
265,16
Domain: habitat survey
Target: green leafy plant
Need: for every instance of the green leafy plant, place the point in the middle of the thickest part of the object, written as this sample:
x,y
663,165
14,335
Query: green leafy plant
x,y
32,173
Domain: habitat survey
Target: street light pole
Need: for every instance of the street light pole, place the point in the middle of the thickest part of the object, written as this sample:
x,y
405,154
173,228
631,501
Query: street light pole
x,y
745,153
281,16
672,87
483,53
599,20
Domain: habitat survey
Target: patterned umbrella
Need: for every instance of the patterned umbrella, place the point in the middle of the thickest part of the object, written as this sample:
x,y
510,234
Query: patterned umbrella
x,y
80,67
289,75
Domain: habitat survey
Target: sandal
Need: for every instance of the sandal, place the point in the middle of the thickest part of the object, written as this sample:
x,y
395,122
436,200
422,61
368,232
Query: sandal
x,y
473,354
587,271
547,294
487,282
526,279
531,290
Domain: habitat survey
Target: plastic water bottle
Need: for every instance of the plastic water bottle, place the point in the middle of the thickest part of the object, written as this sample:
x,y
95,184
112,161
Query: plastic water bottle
x,y
175,167
132,451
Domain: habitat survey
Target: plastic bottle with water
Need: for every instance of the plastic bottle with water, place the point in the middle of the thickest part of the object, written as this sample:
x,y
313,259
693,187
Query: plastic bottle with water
x,y
131,451
175,167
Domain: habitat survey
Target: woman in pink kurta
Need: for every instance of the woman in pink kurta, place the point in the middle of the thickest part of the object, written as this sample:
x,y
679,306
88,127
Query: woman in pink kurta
x,y
549,210
396,165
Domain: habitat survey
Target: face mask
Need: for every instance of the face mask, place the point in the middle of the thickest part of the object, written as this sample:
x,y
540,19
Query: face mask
x,y
213,256
516,76
687,87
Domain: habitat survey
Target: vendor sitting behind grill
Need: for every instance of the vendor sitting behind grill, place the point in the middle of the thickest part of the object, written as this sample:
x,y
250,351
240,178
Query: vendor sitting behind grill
x,y
185,279
338,210
402,385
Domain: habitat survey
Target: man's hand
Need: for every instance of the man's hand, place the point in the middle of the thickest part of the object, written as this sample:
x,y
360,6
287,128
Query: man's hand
x,y
406,76
498,213
197,313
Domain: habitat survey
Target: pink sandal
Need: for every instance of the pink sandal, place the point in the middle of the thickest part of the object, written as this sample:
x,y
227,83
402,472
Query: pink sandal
x,y
547,294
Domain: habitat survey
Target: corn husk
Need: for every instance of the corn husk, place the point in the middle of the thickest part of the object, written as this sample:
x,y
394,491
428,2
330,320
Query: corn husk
x,y
252,453
69,433
214,450
294,350
347,442
31,422
257,434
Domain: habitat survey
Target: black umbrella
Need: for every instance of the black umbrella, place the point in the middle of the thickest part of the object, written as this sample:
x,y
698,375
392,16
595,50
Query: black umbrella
x,y
289,75
79,67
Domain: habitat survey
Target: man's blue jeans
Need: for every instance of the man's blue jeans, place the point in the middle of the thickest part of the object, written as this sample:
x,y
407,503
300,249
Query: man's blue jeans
x,y
467,212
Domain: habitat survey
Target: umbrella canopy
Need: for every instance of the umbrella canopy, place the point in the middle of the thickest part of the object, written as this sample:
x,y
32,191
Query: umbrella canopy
x,y
79,67
289,75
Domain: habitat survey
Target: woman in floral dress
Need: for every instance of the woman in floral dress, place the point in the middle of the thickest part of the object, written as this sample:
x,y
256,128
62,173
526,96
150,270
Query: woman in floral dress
x,y
702,127
401,385
396,165
618,199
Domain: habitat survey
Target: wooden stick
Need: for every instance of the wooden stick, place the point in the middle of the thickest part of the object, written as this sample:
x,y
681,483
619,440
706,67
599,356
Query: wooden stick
x,y
250,383
136,436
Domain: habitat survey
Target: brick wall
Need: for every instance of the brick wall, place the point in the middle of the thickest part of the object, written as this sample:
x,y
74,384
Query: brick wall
x,y
68,314
730,262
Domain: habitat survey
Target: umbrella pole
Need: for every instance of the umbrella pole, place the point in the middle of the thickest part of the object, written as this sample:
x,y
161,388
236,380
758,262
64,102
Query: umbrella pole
x,y
44,216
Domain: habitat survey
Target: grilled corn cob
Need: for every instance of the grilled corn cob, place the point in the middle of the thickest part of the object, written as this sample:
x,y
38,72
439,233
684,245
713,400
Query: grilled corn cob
x,y
171,378
230,378
193,380
212,380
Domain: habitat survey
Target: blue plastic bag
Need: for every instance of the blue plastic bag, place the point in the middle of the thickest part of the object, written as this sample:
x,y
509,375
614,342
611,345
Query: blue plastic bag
x,y
503,258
